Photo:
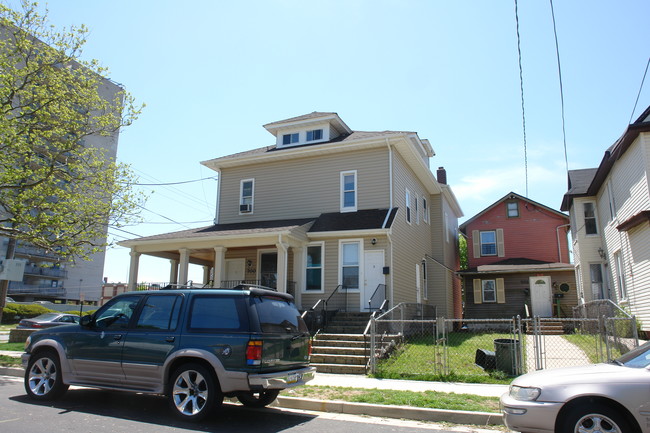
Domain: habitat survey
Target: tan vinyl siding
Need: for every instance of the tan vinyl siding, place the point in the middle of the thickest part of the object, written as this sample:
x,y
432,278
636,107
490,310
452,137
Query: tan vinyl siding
x,y
411,242
305,188
638,274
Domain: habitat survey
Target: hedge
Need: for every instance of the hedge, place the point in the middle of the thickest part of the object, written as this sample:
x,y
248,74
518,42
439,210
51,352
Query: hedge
x,y
12,313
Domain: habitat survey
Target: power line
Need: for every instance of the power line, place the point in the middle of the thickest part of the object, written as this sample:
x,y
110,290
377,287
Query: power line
x,y
176,183
559,73
521,86
640,88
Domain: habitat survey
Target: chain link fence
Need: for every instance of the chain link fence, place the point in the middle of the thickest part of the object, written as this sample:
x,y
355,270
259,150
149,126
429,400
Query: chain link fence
x,y
408,342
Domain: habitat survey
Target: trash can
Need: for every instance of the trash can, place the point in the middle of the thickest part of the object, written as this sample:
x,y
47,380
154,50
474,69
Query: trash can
x,y
508,356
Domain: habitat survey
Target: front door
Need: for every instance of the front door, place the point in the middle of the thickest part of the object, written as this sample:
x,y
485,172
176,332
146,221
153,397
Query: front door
x,y
373,277
269,270
540,296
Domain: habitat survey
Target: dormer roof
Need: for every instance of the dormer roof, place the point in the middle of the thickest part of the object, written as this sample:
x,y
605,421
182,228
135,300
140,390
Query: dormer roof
x,y
305,120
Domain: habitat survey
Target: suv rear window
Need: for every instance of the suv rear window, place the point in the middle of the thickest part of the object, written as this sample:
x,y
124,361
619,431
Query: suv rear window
x,y
278,315
210,313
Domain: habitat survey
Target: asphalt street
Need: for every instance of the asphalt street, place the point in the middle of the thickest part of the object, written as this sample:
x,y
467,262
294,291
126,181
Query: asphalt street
x,y
98,411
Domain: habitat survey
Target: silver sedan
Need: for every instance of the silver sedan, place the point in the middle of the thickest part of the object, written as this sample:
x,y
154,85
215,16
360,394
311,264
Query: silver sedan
x,y
612,397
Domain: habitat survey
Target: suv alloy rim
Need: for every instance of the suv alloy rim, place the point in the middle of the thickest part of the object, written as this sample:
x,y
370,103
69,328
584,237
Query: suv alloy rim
x,y
42,376
190,392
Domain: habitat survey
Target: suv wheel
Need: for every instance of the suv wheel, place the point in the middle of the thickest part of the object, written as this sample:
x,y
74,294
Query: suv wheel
x,y
258,399
193,392
43,379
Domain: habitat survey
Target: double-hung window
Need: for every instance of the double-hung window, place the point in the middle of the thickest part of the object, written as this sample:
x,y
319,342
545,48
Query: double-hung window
x,y
489,290
350,252
348,191
425,210
407,198
488,243
314,268
246,191
513,209
591,227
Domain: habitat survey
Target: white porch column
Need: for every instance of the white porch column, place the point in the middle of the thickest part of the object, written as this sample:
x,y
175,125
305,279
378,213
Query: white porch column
x,y
133,269
219,265
283,253
206,275
173,272
184,263
299,273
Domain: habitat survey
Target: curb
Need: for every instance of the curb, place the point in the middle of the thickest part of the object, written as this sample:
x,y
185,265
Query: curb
x,y
399,412
376,410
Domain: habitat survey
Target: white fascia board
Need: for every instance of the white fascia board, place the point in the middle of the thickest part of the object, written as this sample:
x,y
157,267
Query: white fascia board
x,y
339,124
451,199
299,152
348,233
405,147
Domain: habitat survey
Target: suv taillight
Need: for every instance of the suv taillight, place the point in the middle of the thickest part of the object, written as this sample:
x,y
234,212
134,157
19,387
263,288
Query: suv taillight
x,y
254,352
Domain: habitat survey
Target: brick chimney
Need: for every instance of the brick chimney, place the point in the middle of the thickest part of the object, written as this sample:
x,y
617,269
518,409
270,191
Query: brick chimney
x,y
441,175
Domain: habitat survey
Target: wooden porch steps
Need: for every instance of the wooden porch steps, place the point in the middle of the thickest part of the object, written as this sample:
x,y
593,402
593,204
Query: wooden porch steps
x,y
547,328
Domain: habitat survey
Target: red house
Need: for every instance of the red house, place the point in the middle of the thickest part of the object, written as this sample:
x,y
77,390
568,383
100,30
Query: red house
x,y
518,261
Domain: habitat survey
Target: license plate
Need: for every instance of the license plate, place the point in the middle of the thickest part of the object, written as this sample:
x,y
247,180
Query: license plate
x,y
294,377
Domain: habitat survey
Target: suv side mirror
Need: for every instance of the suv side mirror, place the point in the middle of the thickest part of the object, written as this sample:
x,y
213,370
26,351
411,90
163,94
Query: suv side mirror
x,y
86,320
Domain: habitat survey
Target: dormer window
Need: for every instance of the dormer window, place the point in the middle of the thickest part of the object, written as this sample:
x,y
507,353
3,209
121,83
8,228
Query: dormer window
x,y
290,138
316,134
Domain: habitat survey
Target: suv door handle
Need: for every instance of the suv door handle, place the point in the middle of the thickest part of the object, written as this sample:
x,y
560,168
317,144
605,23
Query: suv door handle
x,y
117,337
170,339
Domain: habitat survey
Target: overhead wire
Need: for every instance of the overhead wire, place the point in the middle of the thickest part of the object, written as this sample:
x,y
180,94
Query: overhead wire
x,y
521,87
639,94
559,72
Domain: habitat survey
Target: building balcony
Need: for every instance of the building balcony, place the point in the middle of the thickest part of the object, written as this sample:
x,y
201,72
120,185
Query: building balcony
x,y
20,288
40,271
34,252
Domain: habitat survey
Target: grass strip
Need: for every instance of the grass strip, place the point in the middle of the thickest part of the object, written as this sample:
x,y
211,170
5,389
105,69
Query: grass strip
x,y
426,399
9,361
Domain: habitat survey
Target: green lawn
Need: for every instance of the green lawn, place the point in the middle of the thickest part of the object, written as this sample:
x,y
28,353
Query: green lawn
x,y
426,399
418,359
590,344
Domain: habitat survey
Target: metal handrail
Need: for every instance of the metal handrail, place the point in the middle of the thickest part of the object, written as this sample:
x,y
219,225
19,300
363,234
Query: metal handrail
x,y
379,286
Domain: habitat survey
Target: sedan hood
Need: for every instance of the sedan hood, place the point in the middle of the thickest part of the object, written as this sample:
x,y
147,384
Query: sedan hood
x,y
588,374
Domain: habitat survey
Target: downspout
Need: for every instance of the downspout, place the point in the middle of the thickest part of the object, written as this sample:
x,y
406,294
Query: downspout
x,y
216,214
390,175
559,245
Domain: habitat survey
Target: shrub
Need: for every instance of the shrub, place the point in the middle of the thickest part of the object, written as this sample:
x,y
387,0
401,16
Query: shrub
x,y
12,313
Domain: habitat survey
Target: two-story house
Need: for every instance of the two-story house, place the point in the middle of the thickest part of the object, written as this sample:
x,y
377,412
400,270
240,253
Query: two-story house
x,y
518,261
610,213
323,209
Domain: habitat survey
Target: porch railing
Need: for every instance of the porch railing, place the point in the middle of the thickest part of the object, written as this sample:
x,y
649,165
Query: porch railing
x,y
319,315
378,298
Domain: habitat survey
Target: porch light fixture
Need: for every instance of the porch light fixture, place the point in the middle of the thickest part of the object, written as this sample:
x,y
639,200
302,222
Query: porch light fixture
x,y
602,253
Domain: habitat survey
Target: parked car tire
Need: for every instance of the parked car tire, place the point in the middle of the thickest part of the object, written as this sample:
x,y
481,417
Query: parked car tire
x,y
258,399
193,392
43,380
595,417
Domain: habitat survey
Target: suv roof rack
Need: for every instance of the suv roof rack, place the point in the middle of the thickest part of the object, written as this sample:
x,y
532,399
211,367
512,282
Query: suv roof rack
x,y
245,286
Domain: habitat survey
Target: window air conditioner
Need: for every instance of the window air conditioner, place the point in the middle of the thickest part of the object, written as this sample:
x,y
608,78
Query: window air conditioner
x,y
245,208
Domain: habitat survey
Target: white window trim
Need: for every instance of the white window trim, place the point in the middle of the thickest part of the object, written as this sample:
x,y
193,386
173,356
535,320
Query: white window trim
x,y
241,196
584,218
425,210
619,263
417,209
360,264
496,243
494,282
409,210
322,135
322,267
342,191
425,287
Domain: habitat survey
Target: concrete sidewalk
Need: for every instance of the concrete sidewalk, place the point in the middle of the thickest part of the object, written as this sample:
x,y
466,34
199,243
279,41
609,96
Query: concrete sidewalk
x,y
356,381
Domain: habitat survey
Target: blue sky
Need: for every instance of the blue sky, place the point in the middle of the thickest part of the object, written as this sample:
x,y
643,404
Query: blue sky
x,y
213,72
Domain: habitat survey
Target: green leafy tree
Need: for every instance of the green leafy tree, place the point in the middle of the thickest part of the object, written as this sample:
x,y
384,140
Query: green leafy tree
x,y
59,188
462,252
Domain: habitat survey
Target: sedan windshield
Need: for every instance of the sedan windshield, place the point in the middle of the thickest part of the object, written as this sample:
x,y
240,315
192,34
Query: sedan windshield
x,y
637,358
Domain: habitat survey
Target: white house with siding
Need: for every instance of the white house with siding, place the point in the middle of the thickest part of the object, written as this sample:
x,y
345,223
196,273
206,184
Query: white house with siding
x,y
610,223
324,208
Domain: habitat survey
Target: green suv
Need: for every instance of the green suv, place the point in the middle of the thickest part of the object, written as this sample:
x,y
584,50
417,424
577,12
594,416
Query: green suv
x,y
193,345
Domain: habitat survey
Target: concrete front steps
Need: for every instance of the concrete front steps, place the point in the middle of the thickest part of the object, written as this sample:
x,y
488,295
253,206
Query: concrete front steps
x,y
342,347
547,328
340,353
